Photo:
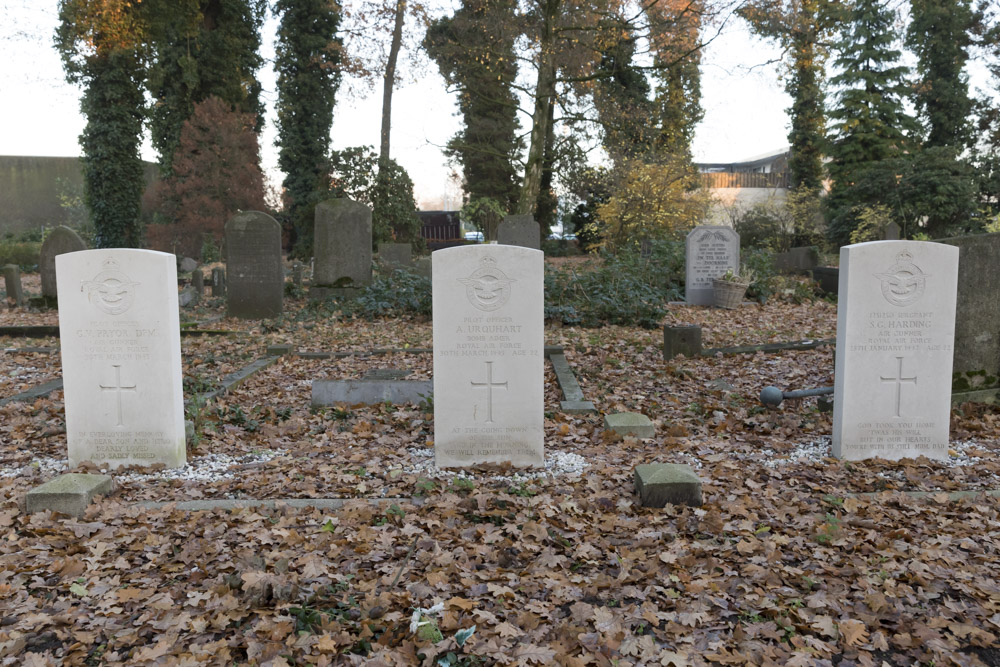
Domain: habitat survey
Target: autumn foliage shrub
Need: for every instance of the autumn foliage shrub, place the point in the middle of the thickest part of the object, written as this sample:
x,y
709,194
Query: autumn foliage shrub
x,y
216,172
652,201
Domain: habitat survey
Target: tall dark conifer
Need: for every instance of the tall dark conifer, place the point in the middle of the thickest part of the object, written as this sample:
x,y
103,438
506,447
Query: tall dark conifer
x,y
102,49
868,124
940,35
308,66
474,50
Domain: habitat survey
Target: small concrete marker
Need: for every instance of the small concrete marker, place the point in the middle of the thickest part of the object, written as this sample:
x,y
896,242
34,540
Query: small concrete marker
x,y
69,494
630,423
681,339
660,483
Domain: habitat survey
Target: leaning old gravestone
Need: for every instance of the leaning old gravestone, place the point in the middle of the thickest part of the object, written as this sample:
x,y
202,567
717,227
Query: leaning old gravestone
x,y
895,334
519,230
253,266
710,251
119,332
342,243
488,355
62,239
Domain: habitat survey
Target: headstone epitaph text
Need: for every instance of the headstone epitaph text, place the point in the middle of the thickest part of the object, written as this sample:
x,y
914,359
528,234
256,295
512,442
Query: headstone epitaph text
x,y
488,355
895,339
710,251
119,334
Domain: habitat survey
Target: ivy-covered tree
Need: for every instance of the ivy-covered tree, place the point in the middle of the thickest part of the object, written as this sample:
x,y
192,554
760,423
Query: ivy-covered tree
x,y
101,45
803,29
216,173
474,51
308,67
201,49
676,41
869,123
940,33
621,97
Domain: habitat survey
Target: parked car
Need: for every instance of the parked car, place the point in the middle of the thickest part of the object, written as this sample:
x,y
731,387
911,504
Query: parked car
x,y
474,236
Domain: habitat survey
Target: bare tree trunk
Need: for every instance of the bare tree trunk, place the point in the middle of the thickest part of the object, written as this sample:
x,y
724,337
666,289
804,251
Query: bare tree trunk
x,y
545,91
389,82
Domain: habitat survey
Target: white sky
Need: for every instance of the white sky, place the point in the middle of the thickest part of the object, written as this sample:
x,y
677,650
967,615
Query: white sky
x,y
744,109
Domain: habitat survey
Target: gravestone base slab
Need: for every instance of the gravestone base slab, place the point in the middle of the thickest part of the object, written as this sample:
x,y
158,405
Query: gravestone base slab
x,y
68,494
630,423
370,392
683,339
660,483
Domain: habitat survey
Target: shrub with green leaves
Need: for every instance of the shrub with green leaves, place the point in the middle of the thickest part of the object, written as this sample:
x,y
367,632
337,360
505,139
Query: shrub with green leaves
x,y
24,254
401,293
628,289
761,263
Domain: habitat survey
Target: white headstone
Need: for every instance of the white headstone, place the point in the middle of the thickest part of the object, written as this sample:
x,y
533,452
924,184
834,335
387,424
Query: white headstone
x,y
895,334
710,251
489,353
121,357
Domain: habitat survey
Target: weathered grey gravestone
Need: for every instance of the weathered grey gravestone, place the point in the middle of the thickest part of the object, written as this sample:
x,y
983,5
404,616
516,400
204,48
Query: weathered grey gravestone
x,y
12,283
895,339
488,355
891,231
62,239
218,282
253,263
198,282
395,256
977,322
797,260
519,230
121,357
297,273
710,251
343,248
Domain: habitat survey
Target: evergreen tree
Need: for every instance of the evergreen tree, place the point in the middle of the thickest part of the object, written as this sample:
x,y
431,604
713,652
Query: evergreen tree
x,y
868,122
474,50
201,49
675,33
621,96
802,28
308,66
101,46
940,35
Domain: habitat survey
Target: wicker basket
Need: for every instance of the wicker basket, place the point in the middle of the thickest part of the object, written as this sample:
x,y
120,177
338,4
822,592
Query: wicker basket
x,y
729,294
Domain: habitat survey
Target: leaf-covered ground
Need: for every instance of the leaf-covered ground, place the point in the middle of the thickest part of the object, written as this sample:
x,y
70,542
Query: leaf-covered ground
x,y
783,565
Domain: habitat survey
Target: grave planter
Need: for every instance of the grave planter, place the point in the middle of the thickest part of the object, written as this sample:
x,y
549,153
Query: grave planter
x,y
728,294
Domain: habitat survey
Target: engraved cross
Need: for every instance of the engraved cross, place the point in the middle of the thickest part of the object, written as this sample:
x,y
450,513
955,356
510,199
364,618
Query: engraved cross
x,y
489,384
899,380
118,388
